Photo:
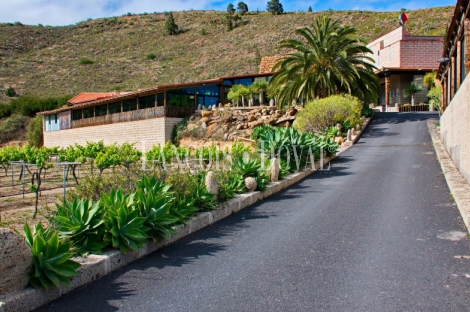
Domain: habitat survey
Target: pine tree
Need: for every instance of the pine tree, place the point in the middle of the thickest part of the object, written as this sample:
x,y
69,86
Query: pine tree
x,y
242,7
310,9
275,7
170,26
230,9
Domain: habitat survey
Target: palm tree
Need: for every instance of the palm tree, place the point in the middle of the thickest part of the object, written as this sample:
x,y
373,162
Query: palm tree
x,y
333,60
412,89
259,86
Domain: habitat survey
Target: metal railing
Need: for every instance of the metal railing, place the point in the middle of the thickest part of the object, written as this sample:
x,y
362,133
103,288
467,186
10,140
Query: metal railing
x,y
416,108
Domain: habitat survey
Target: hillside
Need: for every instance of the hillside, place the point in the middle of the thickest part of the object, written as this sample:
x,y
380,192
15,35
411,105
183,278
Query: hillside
x,y
45,61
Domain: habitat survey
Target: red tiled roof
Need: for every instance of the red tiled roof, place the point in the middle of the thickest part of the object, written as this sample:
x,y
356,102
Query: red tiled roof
x,y
91,96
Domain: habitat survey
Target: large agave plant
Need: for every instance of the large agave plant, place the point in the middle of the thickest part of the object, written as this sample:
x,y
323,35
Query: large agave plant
x,y
183,208
124,229
153,202
81,222
51,264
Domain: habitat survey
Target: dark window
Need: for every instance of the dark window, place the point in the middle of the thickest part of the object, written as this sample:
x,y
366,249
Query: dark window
x,y
244,81
114,108
173,99
208,90
180,97
160,99
101,110
89,112
147,101
462,59
228,82
77,114
129,105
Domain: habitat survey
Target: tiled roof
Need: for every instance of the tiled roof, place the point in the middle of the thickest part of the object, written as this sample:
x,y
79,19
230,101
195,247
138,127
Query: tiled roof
x,y
91,96
267,64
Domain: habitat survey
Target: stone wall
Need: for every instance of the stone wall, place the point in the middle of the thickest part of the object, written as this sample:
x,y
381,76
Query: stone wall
x,y
144,133
455,129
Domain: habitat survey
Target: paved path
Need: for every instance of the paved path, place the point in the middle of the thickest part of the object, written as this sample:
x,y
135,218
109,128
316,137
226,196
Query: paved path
x,y
379,232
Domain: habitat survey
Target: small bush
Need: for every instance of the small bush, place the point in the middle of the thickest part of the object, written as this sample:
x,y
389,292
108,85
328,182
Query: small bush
x,y
320,114
203,31
151,56
86,61
10,92
5,110
35,133
30,105
13,128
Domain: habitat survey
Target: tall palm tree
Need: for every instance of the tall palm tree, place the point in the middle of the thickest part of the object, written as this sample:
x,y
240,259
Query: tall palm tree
x,y
333,60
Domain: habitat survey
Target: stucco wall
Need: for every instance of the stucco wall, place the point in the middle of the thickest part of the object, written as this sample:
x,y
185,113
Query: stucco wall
x,y
455,129
151,131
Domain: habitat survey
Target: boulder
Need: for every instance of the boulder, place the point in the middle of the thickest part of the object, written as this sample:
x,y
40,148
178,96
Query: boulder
x,y
275,169
255,124
205,119
206,113
292,112
211,184
191,126
339,140
250,184
15,258
251,118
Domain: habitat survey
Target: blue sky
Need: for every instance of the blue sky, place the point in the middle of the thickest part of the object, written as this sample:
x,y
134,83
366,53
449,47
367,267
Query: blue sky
x,y
66,12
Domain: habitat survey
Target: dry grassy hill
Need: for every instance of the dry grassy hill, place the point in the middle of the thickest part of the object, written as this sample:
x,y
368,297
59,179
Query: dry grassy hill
x,y
45,61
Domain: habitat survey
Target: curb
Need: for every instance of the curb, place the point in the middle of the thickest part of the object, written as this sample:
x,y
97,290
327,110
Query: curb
x,y
95,267
458,185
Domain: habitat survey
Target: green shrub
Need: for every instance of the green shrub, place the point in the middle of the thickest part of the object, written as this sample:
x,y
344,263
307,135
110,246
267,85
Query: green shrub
x,y
170,26
86,61
30,105
320,114
151,56
203,31
35,132
14,127
435,97
81,222
10,92
51,258
178,129
5,110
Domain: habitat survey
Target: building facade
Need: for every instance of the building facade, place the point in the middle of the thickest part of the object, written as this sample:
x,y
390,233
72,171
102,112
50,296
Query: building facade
x,y
453,73
402,59
144,117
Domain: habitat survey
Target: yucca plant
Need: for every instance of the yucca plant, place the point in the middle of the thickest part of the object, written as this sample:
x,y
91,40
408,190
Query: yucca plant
x,y
51,264
81,222
124,229
202,198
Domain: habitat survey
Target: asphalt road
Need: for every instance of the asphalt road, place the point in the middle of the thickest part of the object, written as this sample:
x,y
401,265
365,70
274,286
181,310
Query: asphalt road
x,y
378,232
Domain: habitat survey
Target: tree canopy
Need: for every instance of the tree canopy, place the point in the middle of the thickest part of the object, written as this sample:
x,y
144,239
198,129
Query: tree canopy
x,y
330,60
275,7
242,7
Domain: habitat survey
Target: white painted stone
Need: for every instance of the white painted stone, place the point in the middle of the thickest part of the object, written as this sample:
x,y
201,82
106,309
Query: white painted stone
x,y
211,184
275,168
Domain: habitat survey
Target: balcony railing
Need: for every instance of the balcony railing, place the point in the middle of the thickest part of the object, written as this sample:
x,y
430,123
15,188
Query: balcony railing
x,y
416,108
141,114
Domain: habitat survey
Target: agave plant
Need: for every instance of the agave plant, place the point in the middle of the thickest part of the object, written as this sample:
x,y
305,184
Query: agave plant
x,y
81,222
124,229
153,202
202,198
183,208
51,264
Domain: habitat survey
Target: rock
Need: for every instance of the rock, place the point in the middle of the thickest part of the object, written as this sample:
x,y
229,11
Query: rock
x,y
285,123
206,113
251,118
191,127
275,169
239,127
250,184
264,111
15,258
292,112
204,119
338,127
212,127
255,124
211,184
339,140
284,119
271,102
358,127
349,139
226,136
220,105
353,131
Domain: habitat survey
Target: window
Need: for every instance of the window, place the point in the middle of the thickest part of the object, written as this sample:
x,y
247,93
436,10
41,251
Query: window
x,y
160,99
389,50
378,58
77,114
89,112
52,123
114,108
244,81
208,95
147,101
101,110
181,97
129,105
